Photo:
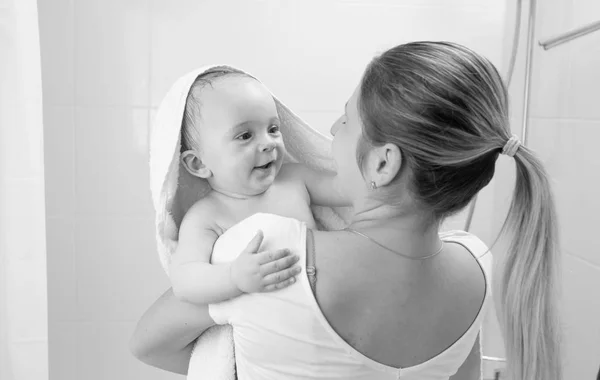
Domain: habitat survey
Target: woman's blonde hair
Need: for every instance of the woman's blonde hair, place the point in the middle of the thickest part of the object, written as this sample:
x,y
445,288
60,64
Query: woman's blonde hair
x,y
446,108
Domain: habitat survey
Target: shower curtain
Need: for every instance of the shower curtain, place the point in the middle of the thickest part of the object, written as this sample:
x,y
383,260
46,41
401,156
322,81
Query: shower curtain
x,y
23,295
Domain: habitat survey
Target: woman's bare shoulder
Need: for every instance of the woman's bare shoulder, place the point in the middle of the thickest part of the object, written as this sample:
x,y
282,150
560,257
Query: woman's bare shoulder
x,y
333,249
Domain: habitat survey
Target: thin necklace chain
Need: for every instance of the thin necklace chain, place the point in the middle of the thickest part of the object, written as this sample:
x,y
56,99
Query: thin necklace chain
x,y
396,252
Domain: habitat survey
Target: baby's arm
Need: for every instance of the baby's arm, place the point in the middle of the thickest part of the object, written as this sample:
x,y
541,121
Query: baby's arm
x,y
322,186
193,278
197,281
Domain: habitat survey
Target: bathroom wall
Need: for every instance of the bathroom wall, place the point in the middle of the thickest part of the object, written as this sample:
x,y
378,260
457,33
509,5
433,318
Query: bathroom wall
x,y
106,66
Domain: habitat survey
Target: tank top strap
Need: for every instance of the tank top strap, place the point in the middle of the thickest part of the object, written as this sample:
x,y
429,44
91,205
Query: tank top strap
x,y
311,269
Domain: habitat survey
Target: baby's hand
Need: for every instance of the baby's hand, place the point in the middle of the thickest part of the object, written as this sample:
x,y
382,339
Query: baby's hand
x,y
254,272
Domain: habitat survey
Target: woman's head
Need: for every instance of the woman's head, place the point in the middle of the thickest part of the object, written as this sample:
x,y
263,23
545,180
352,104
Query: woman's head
x,y
230,132
424,128
440,112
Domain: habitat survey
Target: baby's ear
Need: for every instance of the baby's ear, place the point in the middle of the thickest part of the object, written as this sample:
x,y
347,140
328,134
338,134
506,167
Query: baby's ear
x,y
194,165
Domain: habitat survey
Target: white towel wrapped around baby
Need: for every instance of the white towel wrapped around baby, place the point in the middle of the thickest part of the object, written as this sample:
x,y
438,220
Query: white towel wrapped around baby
x,y
174,191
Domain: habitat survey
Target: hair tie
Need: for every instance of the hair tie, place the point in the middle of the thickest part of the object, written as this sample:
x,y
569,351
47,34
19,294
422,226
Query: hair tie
x,y
511,146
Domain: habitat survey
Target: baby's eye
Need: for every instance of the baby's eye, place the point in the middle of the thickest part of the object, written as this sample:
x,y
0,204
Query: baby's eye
x,y
244,136
274,129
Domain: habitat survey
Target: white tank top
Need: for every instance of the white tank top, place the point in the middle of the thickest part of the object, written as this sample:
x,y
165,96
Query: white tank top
x,y
284,335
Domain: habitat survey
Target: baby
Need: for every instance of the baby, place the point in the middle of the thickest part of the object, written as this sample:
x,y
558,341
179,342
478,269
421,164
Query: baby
x,y
231,137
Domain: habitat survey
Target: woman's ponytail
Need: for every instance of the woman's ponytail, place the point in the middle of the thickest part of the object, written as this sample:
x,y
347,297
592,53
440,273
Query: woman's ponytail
x,y
528,312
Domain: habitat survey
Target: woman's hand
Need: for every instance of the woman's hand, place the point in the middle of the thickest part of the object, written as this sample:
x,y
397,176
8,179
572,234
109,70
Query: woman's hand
x,y
255,271
165,335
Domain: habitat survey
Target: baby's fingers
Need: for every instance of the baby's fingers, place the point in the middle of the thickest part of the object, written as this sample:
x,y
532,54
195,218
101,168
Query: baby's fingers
x,y
280,285
268,256
278,265
280,279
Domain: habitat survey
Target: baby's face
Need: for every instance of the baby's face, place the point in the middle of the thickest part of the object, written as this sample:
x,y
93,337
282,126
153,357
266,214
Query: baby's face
x,y
241,142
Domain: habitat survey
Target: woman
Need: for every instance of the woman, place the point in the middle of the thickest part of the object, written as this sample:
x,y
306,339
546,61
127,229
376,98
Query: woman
x,y
418,140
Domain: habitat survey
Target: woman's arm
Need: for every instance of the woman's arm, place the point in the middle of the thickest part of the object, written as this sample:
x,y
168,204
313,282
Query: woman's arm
x,y
165,335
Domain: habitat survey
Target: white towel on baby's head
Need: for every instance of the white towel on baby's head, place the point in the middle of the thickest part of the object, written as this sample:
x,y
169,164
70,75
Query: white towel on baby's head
x,y
174,191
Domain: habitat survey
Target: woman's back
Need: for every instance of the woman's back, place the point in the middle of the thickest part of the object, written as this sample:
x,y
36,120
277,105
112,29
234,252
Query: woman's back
x,y
285,335
382,303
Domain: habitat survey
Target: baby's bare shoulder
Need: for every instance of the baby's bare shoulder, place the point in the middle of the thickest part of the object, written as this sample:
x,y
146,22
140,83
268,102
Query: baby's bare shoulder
x,y
205,213
203,206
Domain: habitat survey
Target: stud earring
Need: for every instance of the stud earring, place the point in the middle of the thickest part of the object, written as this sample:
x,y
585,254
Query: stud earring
x,y
373,185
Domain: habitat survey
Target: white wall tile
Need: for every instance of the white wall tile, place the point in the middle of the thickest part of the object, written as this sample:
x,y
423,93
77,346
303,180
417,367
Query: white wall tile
x,y
581,310
104,354
112,49
62,350
118,270
554,19
57,24
62,278
584,99
59,160
550,83
585,12
550,68
111,168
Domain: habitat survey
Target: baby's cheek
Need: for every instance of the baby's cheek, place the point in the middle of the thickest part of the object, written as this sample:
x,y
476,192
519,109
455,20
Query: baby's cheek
x,y
281,150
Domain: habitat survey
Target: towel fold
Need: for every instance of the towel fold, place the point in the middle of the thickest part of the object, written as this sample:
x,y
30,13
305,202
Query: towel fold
x,y
174,191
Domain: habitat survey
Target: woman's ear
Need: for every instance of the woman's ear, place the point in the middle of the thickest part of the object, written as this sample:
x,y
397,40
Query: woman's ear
x,y
387,163
194,165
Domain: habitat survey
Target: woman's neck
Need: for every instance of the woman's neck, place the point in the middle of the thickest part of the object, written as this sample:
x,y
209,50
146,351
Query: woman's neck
x,y
393,226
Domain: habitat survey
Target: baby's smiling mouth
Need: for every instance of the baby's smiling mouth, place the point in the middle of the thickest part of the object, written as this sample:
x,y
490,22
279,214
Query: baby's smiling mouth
x,y
265,166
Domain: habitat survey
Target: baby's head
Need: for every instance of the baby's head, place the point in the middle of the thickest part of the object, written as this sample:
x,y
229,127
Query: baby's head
x,y
230,133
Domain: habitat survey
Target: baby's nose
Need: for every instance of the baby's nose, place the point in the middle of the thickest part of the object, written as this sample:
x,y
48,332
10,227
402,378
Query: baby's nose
x,y
268,146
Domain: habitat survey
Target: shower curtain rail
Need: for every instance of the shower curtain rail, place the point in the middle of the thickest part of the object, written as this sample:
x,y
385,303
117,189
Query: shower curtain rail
x,y
570,35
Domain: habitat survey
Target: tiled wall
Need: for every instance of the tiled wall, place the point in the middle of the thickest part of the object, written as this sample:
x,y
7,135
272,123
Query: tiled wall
x,y
106,66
